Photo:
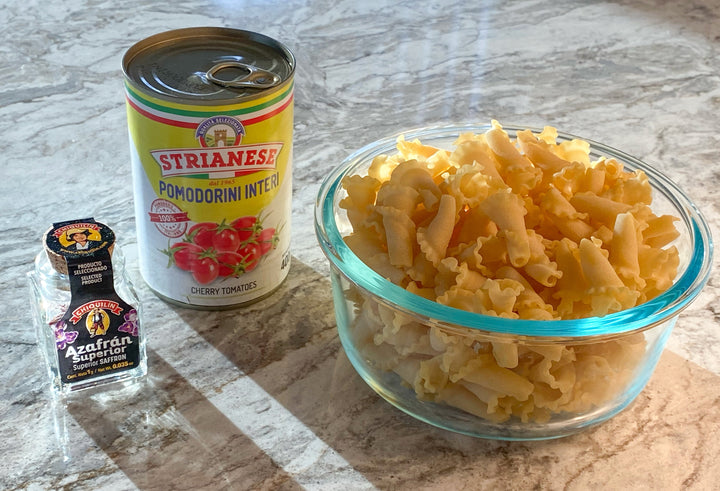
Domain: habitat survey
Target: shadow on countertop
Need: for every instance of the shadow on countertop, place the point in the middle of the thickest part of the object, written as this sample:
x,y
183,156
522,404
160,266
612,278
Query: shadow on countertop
x,y
288,345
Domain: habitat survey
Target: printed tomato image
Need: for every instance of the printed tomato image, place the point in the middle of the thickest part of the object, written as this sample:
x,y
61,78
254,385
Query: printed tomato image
x,y
230,264
246,227
250,255
216,251
202,234
268,239
184,253
205,270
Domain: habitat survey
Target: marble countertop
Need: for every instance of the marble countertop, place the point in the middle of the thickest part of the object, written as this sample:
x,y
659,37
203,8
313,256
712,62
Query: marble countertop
x,y
264,397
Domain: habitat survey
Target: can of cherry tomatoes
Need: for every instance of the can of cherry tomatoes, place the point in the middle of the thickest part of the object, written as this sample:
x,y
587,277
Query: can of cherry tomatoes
x,y
210,119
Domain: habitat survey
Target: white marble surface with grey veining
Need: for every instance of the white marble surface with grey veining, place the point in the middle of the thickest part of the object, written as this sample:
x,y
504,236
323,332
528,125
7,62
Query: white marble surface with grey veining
x,y
264,398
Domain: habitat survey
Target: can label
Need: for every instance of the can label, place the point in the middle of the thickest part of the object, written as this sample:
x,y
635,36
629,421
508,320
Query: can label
x,y
213,190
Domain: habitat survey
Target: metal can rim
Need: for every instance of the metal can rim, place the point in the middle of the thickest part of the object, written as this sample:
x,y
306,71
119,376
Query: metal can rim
x,y
176,35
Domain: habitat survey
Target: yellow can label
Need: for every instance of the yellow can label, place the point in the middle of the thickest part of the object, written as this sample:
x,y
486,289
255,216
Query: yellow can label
x,y
213,186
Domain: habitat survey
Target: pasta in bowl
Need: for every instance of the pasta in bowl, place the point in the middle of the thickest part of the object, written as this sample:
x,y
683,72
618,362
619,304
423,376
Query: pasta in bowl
x,y
505,282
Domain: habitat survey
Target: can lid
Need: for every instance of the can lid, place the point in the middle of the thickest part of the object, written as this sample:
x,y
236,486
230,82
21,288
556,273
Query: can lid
x,y
76,239
208,64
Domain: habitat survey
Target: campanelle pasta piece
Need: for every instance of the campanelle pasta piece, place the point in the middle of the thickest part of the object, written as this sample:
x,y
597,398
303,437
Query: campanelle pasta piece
x,y
539,267
473,151
430,379
507,210
626,240
540,153
603,210
470,185
399,236
632,189
518,171
596,267
660,231
361,191
564,216
381,167
505,354
399,196
460,397
434,238
496,378
415,174
528,303
573,151
473,223
657,268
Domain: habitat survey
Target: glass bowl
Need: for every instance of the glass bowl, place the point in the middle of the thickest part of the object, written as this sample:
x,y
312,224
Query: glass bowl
x,y
571,374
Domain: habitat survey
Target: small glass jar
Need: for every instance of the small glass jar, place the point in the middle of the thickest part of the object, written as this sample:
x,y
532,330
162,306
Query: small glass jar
x,y
87,315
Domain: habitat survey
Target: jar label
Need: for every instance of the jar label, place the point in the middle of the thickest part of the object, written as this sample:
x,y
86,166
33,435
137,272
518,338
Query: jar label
x,y
98,334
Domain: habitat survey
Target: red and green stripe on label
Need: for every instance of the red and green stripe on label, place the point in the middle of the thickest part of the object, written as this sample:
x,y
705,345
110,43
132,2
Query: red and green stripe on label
x,y
190,118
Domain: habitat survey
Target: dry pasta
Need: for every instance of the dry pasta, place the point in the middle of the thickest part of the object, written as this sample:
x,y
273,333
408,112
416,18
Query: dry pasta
x,y
526,228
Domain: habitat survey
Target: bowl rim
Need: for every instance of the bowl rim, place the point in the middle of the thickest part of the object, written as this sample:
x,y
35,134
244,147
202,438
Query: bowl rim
x,y
643,316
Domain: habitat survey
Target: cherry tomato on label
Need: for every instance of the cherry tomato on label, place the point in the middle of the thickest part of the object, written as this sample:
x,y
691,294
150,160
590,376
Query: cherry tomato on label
x,y
202,234
250,255
226,239
230,263
246,227
184,254
268,240
205,270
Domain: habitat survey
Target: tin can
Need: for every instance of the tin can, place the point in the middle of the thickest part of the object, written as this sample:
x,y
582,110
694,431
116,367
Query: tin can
x,y
210,118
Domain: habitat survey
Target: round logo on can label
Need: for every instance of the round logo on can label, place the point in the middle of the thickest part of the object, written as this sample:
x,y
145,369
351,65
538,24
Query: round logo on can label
x,y
220,131
170,220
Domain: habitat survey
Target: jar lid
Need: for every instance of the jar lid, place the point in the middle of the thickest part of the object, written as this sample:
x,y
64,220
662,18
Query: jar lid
x,y
76,239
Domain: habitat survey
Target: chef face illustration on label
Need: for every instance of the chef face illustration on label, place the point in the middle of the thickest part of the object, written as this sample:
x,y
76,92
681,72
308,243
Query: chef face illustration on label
x,y
97,322
81,240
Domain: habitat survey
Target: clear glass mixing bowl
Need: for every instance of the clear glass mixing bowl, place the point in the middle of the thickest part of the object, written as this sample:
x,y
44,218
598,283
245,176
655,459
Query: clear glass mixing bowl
x,y
590,369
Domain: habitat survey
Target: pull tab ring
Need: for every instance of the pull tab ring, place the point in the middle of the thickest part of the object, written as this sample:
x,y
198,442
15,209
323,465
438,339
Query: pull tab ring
x,y
256,78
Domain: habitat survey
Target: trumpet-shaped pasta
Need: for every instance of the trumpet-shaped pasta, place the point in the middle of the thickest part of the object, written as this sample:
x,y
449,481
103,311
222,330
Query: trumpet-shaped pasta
x,y
564,216
399,235
460,397
596,267
469,185
414,174
494,377
526,228
360,199
507,210
430,379
603,210
540,268
472,150
506,354
540,153
660,231
381,168
529,304
574,151
631,189
474,223
519,172
435,238
403,198
626,241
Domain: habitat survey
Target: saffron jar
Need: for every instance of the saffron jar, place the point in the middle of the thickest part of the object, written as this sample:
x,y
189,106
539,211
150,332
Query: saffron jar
x,y
86,313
